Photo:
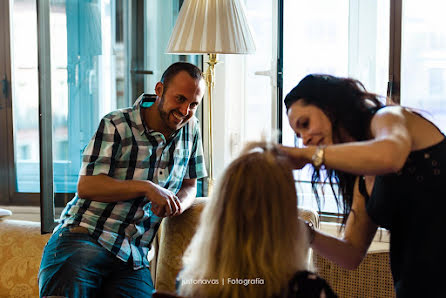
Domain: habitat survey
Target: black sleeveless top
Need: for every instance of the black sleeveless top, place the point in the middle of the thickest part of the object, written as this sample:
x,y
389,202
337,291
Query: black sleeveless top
x,y
410,204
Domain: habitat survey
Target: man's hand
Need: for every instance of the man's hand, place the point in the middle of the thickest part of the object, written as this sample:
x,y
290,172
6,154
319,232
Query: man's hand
x,y
164,202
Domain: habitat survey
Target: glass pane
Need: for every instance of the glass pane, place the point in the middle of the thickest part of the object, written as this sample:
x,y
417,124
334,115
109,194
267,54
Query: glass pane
x,y
368,57
423,59
260,68
82,81
314,42
88,62
342,38
25,94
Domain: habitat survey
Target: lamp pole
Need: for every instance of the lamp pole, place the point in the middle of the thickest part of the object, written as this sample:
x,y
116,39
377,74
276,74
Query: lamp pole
x,y
209,76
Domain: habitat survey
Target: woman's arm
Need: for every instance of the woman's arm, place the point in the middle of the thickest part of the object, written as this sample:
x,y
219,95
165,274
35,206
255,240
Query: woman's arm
x,y
385,153
349,251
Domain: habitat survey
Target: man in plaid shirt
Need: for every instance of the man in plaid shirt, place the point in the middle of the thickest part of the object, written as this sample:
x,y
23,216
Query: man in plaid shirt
x,y
140,166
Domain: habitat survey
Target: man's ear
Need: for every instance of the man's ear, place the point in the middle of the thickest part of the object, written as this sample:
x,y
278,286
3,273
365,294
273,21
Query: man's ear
x,y
159,89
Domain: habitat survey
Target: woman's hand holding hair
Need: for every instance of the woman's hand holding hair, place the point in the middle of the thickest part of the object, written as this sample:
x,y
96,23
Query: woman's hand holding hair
x,y
297,157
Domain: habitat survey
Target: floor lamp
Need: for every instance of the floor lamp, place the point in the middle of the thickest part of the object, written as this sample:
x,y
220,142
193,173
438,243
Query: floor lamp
x,y
211,27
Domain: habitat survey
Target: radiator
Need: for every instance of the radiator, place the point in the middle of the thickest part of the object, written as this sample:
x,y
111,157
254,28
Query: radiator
x,y
371,279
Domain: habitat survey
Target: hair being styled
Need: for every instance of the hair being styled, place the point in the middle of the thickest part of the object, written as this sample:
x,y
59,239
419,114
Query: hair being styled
x,y
177,67
350,109
249,229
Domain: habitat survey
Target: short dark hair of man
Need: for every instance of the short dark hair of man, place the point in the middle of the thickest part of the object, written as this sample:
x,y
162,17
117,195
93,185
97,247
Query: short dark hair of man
x,y
177,67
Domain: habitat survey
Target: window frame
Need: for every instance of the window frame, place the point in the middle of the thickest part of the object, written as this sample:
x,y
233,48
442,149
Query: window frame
x,y
45,117
5,102
5,106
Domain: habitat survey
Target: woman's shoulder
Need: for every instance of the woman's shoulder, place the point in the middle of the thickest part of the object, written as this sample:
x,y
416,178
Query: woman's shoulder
x,y
390,111
308,284
388,117
403,114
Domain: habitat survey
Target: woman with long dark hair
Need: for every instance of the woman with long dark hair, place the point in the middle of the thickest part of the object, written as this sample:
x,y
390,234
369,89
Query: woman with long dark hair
x,y
389,165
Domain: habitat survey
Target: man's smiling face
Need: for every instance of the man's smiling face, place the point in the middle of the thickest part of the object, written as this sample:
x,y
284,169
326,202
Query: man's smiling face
x,y
179,100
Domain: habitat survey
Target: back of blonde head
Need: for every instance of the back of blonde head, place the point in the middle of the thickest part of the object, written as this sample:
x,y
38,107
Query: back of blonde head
x,y
249,230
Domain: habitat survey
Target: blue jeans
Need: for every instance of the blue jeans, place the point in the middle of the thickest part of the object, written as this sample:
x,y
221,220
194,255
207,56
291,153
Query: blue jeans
x,y
75,265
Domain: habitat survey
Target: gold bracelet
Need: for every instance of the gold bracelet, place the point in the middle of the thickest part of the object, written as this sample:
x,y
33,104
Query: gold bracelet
x,y
318,157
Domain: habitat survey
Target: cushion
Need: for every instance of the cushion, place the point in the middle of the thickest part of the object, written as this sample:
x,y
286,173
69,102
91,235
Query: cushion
x,y
21,247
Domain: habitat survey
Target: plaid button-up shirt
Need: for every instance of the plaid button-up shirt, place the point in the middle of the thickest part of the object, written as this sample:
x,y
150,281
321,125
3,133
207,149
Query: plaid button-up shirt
x,y
123,149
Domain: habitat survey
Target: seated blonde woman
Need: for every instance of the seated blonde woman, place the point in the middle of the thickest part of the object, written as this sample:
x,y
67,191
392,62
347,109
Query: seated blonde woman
x,y
250,242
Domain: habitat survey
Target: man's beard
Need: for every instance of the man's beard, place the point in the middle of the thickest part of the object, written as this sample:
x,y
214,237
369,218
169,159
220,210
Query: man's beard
x,y
165,116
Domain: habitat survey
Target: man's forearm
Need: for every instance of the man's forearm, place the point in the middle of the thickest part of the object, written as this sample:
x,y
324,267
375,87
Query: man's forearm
x,y
103,188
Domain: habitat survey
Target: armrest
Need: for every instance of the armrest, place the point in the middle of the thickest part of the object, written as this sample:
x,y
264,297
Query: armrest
x,y
172,240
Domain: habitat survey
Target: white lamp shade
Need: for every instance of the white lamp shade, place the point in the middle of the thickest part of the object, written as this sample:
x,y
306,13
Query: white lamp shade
x,y
211,26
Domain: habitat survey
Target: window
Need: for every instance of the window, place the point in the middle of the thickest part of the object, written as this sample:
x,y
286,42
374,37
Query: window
x,y
337,37
352,38
99,56
423,59
436,79
341,37
244,97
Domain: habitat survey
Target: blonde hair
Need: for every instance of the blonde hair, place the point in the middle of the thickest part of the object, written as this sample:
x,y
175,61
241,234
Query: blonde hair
x,y
249,231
